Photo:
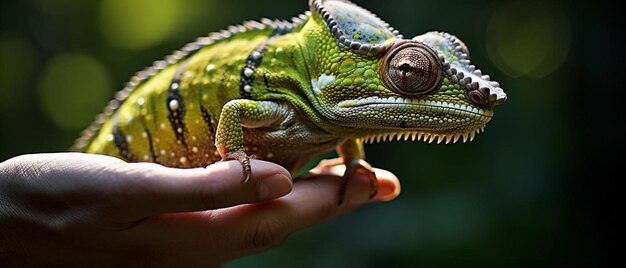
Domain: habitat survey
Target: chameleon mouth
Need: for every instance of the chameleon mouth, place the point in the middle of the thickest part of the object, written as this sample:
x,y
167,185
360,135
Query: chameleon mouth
x,y
438,107
424,136
435,112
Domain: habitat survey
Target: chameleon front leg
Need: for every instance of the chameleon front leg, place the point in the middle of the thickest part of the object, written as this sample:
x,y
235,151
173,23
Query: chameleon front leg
x,y
352,155
240,113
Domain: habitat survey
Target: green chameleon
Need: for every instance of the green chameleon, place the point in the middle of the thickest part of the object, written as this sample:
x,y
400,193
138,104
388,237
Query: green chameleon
x,y
334,77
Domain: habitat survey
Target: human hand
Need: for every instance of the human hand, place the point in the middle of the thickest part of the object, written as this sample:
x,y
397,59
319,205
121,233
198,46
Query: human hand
x,y
81,209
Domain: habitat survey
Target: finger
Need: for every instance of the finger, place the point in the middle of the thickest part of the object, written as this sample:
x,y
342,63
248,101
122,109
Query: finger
x,y
388,183
250,228
141,189
312,201
153,189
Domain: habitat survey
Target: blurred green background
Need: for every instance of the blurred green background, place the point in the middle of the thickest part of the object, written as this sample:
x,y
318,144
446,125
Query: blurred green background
x,y
529,191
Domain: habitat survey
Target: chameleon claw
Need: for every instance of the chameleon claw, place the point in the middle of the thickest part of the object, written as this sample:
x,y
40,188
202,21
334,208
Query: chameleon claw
x,y
247,170
358,166
354,166
244,160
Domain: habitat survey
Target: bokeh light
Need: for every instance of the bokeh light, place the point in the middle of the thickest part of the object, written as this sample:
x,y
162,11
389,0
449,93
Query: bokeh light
x,y
74,87
139,24
528,38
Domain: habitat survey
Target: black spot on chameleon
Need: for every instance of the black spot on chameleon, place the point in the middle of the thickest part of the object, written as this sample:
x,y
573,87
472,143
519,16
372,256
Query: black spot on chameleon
x,y
120,141
176,106
265,80
151,145
206,117
254,61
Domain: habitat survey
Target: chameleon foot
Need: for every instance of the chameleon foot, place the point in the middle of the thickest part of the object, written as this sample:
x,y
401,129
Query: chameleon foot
x,y
354,166
244,159
358,166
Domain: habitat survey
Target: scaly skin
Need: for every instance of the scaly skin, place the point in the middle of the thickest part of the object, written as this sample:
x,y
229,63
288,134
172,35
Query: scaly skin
x,y
284,92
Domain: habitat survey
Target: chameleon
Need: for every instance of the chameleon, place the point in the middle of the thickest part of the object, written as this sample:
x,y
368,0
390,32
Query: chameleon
x,y
335,77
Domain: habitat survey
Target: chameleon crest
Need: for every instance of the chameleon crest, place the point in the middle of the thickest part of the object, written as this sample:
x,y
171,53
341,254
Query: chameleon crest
x,y
333,77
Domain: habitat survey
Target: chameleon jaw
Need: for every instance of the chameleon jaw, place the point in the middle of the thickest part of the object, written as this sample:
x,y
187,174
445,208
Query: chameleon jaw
x,y
467,120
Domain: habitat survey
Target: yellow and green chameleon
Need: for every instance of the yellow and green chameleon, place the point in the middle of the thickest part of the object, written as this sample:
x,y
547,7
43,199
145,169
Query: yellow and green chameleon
x,y
333,77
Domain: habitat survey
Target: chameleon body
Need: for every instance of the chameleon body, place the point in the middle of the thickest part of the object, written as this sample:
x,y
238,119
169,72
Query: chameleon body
x,y
334,77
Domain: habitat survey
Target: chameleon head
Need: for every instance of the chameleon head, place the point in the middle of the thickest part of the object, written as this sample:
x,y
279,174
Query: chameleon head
x,y
384,85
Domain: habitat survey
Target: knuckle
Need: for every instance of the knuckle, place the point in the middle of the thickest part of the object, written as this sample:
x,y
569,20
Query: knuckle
x,y
209,197
69,225
328,208
267,233
206,197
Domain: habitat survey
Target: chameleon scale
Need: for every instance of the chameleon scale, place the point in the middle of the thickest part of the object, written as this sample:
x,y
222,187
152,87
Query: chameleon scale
x,y
333,77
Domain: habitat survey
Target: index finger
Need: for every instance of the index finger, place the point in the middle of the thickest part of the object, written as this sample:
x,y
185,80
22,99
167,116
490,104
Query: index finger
x,y
311,201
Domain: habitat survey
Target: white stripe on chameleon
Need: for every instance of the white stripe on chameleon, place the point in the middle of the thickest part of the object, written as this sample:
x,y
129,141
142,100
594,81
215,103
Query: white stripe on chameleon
x,y
322,82
419,102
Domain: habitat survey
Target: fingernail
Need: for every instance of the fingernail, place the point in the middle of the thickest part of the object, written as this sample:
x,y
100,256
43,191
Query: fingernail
x,y
274,186
386,192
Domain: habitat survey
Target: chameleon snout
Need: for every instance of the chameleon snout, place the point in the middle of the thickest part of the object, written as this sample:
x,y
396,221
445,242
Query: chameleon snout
x,y
479,89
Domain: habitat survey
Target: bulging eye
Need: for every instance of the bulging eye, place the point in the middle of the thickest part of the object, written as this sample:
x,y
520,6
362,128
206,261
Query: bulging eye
x,y
412,68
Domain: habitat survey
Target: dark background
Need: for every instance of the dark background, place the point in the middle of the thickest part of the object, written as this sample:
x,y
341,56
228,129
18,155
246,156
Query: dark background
x,y
534,189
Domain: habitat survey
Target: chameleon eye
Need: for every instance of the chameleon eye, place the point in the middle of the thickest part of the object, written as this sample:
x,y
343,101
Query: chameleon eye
x,y
412,68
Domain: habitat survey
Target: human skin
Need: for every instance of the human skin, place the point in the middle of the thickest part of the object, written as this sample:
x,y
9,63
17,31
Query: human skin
x,y
81,209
